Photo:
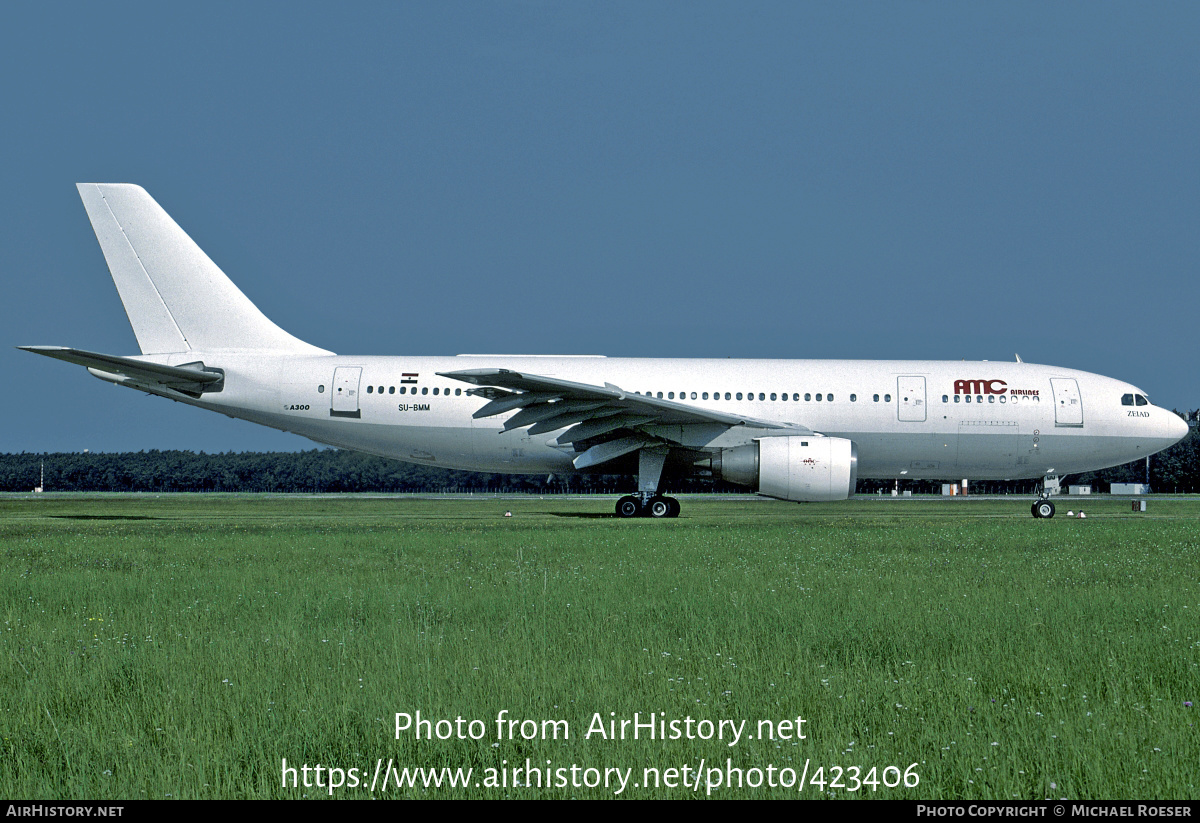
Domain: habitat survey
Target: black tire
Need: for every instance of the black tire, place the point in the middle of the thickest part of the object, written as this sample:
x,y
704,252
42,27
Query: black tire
x,y
675,507
659,507
1043,509
628,506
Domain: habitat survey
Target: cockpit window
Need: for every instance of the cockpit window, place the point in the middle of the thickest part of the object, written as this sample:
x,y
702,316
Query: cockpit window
x,y
1141,400
1127,400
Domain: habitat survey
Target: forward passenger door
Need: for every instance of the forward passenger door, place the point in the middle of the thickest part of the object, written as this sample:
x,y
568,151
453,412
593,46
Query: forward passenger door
x,y
1068,406
910,397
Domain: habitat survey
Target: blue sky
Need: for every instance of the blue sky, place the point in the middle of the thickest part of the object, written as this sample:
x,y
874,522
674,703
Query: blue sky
x,y
868,180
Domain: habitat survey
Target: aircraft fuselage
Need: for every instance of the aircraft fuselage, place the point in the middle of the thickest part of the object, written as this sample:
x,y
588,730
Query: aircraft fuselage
x,y
912,419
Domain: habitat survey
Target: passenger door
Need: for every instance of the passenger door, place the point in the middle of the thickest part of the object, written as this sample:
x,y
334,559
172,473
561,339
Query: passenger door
x,y
1068,406
345,392
910,396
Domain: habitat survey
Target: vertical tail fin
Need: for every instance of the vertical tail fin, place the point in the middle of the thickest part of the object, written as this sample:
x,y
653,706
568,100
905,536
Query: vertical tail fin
x,y
176,298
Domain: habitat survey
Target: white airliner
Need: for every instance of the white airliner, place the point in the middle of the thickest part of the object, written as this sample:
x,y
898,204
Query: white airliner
x,y
801,430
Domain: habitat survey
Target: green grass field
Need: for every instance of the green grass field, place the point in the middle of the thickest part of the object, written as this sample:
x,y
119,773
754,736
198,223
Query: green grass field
x,y
184,646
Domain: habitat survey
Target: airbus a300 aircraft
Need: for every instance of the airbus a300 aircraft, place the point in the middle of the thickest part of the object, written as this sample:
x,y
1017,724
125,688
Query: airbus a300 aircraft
x,y
801,430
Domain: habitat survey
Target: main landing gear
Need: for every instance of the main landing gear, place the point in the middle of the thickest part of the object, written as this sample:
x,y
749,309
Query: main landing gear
x,y
648,502
646,505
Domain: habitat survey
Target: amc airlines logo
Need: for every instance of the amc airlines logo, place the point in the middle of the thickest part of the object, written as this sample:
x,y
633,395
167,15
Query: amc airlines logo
x,y
980,387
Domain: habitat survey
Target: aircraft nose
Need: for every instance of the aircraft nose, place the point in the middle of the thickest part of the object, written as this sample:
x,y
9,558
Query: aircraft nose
x,y
1177,427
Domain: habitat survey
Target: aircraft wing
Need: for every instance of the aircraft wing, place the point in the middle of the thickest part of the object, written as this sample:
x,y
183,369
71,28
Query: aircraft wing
x,y
608,420
192,378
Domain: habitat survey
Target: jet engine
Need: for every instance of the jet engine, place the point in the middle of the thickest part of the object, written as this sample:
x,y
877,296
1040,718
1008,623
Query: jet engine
x,y
801,468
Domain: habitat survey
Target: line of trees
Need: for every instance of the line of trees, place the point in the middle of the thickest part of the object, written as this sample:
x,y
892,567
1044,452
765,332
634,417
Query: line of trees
x,y
318,470
329,471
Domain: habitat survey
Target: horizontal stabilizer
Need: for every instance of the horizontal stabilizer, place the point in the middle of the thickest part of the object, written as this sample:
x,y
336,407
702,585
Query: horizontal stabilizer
x,y
192,378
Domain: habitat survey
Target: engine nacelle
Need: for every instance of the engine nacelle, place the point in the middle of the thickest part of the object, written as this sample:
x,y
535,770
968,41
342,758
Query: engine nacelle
x,y
795,467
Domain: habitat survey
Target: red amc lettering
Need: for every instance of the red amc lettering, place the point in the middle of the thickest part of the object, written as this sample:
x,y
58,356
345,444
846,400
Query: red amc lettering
x,y
980,387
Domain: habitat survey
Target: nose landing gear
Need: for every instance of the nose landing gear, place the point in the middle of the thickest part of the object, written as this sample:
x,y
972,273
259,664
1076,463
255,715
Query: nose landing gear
x,y
1042,507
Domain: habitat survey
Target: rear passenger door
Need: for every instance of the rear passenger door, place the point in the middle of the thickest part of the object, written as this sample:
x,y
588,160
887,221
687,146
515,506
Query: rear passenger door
x,y
345,392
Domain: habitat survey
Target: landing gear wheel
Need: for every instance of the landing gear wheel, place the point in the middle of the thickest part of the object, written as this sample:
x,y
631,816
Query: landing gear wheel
x,y
660,507
675,507
1042,508
628,506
